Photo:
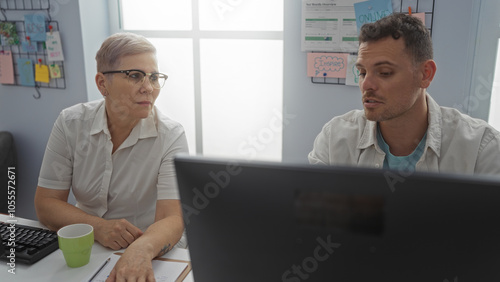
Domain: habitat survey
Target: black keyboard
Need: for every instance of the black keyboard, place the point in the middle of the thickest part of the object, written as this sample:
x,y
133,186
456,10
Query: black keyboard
x,y
31,243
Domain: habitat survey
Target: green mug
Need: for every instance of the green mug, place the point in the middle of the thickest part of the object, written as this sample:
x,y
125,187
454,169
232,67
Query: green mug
x,y
75,241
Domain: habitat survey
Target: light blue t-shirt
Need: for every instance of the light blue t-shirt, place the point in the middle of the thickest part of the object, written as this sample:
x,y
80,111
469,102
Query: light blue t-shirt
x,y
404,163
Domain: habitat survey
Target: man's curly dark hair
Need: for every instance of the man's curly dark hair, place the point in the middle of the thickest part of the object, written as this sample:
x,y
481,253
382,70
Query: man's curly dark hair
x,y
416,36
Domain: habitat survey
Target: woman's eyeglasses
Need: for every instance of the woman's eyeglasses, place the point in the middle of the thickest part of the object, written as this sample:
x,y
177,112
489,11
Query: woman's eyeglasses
x,y
137,77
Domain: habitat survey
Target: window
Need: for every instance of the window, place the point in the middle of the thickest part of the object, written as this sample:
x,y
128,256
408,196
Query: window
x,y
224,59
494,119
484,99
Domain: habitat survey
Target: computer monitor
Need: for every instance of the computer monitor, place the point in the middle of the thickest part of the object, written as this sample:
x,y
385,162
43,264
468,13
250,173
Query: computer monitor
x,y
263,221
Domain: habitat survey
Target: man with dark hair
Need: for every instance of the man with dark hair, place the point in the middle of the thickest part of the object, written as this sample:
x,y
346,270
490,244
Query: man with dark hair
x,y
402,127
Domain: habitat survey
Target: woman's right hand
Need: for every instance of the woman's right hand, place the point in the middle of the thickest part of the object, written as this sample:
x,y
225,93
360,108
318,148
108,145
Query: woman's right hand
x,y
116,233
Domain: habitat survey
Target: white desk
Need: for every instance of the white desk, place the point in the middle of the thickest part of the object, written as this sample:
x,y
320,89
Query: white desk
x,y
54,268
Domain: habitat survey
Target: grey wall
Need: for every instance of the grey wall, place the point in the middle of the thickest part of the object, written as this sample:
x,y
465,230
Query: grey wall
x,y
311,105
454,38
31,120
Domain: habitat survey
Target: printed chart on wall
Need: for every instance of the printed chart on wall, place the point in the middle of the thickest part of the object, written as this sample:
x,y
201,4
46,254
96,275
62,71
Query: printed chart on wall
x,y
333,25
329,25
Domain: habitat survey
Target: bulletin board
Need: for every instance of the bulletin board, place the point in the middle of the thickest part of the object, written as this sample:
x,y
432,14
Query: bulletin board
x,y
423,8
11,12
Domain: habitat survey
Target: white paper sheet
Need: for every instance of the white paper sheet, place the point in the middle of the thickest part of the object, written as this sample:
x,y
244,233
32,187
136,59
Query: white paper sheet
x,y
329,25
165,271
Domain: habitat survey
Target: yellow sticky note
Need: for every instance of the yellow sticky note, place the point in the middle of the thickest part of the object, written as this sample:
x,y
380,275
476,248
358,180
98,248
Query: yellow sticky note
x,y
42,73
55,71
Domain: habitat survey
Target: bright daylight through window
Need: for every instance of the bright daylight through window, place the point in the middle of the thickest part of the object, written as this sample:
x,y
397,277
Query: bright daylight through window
x,y
224,60
494,118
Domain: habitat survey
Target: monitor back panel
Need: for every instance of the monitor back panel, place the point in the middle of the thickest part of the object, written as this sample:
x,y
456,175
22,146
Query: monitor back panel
x,y
272,222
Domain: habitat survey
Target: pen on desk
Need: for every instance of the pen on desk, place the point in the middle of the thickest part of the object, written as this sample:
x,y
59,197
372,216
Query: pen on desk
x,y
99,270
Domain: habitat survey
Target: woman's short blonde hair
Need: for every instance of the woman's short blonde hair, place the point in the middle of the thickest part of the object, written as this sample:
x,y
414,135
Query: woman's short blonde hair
x,y
120,45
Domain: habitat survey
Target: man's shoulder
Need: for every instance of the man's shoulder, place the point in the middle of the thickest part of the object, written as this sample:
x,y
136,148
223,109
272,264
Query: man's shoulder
x,y
458,124
352,123
452,117
351,118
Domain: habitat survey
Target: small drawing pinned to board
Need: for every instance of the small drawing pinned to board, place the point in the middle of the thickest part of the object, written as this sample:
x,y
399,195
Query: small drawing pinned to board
x,y
29,47
26,74
6,68
8,33
352,73
55,71
327,65
54,46
35,27
371,11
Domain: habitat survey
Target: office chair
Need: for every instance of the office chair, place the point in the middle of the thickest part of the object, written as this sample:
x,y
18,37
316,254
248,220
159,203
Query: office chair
x,y
8,159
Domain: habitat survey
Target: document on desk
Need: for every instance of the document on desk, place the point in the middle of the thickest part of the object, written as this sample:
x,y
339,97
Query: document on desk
x,y
166,270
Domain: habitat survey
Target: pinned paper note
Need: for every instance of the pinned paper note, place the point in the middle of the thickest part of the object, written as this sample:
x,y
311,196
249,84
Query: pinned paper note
x,y
371,11
327,64
29,47
55,71
42,73
35,27
26,75
8,33
54,47
420,16
352,73
6,68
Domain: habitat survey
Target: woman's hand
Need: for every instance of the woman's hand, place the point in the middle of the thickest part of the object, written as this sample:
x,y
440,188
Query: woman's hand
x,y
134,265
116,233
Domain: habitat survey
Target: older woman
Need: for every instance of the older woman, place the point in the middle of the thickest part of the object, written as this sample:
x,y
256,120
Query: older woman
x,y
116,157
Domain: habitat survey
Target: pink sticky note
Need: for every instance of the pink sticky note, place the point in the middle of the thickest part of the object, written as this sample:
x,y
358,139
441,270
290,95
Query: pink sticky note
x,y
6,68
421,16
327,65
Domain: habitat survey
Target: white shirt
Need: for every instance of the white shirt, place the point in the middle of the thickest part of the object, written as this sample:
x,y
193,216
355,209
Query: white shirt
x,y
456,143
125,184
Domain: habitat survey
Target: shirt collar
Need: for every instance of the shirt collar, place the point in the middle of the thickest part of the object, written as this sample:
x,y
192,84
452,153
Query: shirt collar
x,y
144,129
435,125
369,135
100,122
148,126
